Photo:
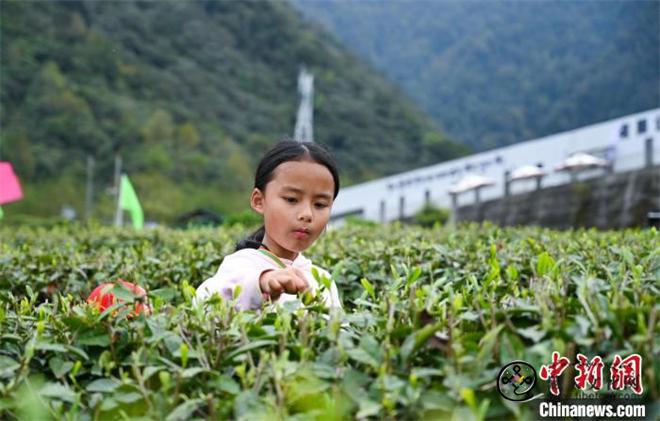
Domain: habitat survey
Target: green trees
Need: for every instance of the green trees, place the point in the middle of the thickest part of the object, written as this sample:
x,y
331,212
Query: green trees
x,y
491,75
190,94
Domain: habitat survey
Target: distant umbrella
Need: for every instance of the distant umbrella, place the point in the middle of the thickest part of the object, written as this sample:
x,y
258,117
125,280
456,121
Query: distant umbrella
x,y
581,161
471,182
527,171
467,183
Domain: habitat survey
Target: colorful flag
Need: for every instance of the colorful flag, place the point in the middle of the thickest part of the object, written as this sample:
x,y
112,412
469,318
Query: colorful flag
x,y
10,188
128,200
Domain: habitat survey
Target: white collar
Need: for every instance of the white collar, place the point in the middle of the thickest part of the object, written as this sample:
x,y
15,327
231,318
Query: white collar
x,y
300,261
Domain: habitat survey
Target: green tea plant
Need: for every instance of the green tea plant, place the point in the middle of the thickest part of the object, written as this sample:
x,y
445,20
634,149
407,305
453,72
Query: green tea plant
x,y
430,215
430,317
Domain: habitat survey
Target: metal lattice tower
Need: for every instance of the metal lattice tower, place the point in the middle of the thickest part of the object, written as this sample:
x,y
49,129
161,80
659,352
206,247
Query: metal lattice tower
x,y
304,131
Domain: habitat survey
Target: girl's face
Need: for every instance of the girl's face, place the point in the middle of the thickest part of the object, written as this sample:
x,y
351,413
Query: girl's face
x,y
296,206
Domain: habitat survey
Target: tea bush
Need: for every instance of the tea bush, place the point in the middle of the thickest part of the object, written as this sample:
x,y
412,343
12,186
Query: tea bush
x,y
430,317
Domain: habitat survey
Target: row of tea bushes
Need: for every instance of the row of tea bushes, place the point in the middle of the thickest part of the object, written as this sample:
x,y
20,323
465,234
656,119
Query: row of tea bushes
x,y
430,318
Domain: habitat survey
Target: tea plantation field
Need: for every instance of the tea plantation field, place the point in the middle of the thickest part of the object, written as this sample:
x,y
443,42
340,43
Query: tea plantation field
x,y
430,317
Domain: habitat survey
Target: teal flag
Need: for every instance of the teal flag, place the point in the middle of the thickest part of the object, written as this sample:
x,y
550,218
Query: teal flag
x,y
128,200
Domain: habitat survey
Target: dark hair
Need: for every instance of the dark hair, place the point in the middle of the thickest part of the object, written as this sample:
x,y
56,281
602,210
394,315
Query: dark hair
x,y
284,151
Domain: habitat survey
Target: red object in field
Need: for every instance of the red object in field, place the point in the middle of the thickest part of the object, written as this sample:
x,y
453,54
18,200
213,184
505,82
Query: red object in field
x,y
103,297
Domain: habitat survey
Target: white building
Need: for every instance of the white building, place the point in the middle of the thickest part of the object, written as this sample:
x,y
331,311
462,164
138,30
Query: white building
x,y
626,142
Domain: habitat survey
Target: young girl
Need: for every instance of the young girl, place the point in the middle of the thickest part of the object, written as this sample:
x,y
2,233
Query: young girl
x,y
294,188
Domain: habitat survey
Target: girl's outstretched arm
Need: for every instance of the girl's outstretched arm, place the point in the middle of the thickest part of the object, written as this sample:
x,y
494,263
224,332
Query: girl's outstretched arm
x,y
235,271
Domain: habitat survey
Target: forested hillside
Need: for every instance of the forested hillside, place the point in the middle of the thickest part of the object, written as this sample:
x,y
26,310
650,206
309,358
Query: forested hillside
x,y
190,94
492,73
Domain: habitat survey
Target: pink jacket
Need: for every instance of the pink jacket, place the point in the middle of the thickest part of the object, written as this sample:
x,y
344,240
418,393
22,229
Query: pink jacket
x,y
244,268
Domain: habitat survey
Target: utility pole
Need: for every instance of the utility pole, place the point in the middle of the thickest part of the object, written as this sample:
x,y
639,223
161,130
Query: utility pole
x,y
119,215
89,193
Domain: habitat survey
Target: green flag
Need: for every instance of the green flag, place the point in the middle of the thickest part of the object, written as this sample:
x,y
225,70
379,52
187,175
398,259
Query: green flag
x,y
128,200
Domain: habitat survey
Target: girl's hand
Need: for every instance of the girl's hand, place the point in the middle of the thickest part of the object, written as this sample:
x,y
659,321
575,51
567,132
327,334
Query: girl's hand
x,y
290,280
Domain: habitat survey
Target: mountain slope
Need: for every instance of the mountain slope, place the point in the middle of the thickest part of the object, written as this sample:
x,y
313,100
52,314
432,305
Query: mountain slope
x,y
191,94
495,73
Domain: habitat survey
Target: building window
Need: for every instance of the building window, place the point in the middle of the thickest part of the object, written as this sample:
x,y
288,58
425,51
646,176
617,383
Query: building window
x,y
401,206
641,126
427,197
382,211
623,131
657,123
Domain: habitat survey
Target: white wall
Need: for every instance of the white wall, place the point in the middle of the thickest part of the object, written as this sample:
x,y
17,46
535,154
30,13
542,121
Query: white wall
x,y
549,151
